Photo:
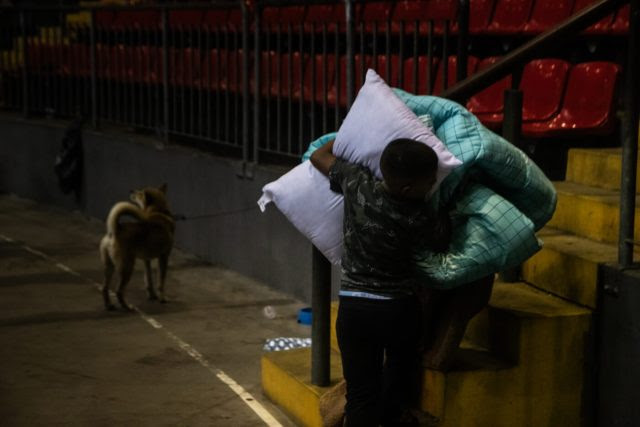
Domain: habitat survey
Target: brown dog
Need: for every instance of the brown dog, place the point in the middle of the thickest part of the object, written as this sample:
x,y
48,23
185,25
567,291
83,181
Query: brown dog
x,y
149,237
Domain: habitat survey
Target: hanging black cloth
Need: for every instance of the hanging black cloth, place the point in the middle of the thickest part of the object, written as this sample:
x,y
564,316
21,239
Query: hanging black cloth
x,y
68,164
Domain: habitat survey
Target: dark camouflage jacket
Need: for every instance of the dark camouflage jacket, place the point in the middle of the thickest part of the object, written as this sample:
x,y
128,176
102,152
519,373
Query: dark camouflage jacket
x,y
381,233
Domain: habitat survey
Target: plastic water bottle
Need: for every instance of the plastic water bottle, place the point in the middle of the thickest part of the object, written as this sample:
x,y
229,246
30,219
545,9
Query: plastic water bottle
x,y
269,312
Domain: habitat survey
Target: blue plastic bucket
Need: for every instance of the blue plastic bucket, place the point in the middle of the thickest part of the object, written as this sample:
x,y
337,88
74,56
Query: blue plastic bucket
x,y
304,316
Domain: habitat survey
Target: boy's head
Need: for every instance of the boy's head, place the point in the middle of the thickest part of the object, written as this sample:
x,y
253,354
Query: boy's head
x,y
409,168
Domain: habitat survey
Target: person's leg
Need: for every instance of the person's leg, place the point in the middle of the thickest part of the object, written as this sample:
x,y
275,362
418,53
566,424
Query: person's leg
x,y
401,368
460,305
362,356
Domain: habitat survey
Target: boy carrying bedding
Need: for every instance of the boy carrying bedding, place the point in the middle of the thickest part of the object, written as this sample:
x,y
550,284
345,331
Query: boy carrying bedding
x,y
386,223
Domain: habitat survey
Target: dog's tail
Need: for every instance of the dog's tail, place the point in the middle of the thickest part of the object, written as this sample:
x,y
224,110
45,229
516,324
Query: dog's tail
x,y
119,209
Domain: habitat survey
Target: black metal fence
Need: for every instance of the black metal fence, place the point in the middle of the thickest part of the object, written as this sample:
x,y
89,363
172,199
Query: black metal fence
x,y
263,81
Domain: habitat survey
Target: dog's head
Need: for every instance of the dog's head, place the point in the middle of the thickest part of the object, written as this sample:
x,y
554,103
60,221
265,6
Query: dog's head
x,y
151,198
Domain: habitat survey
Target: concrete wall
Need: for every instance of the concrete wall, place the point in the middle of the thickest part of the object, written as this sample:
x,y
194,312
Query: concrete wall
x,y
263,246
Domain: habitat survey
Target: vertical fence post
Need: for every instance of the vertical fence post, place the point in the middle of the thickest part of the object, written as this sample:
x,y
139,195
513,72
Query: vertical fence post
x,y
463,39
321,318
165,77
247,173
350,72
257,83
92,64
629,141
25,73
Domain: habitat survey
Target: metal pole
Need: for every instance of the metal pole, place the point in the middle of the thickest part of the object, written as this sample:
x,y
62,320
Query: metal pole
x,y
463,39
512,125
629,142
94,79
25,74
245,84
349,20
511,130
165,76
257,89
321,318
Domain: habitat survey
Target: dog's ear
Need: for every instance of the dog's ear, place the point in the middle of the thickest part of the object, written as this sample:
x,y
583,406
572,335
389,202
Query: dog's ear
x,y
163,188
139,197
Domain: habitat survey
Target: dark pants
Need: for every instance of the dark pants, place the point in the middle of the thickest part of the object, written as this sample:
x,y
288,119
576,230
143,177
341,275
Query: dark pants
x,y
379,344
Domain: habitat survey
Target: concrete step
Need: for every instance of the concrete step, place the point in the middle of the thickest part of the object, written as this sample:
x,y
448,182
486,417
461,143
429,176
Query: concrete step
x,y
539,381
544,387
589,212
567,265
286,380
596,167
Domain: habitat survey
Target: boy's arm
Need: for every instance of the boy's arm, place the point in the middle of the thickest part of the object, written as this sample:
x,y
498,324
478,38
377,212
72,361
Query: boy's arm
x,y
323,158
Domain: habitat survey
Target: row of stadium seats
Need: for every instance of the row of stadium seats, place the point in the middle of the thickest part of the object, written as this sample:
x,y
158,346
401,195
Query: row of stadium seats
x,y
489,17
556,95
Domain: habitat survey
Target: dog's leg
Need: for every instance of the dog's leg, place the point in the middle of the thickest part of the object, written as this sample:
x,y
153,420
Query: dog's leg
x,y
163,262
108,274
148,278
125,276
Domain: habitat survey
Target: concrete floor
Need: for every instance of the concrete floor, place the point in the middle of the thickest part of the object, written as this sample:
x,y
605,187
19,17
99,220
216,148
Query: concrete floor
x,y
67,361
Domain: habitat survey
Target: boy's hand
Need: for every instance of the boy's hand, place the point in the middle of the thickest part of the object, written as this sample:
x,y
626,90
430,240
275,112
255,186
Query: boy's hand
x,y
323,158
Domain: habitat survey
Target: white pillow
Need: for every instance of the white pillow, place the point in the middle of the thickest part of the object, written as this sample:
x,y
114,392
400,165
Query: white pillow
x,y
304,197
376,118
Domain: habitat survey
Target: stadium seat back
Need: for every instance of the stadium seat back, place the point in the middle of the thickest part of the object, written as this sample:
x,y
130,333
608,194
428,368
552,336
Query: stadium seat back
x,y
543,84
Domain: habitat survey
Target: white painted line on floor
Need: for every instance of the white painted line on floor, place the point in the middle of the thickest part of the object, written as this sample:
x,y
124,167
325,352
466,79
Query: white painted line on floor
x,y
246,397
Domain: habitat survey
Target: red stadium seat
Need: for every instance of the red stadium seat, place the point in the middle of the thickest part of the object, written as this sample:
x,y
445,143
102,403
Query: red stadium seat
x,y
102,60
480,15
185,66
294,15
333,91
509,16
215,18
380,66
104,18
214,69
79,59
375,14
231,79
600,27
620,24
264,82
543,84
425,75
410,11
185,19
488,104
322,69
588,103
234,20
280,17
319,15
300,65
118,63
282,78
438,87
546,14
149,66
137,19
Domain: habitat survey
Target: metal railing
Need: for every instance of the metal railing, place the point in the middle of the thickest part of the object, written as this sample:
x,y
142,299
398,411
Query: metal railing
x,y
261,81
